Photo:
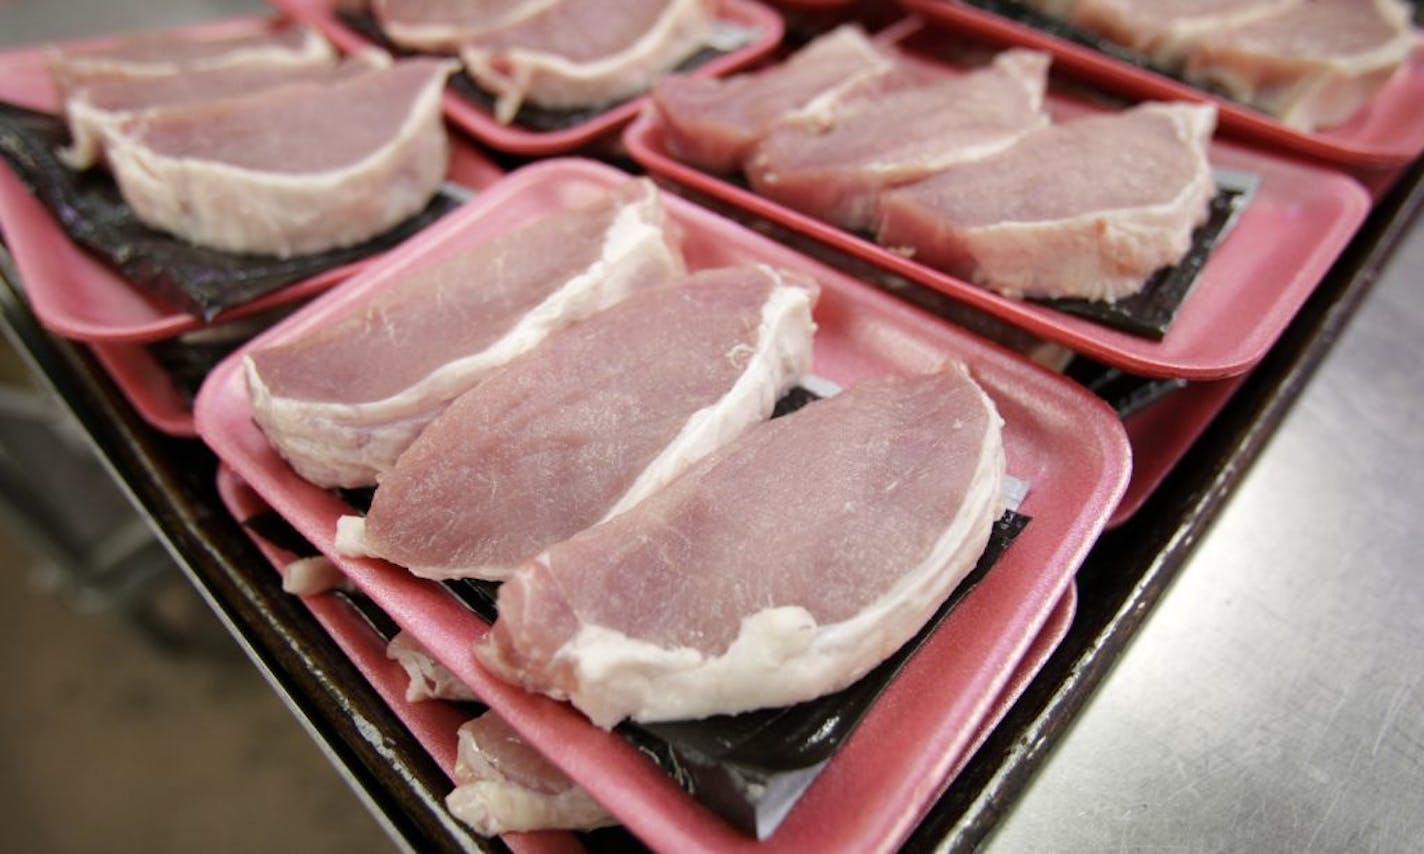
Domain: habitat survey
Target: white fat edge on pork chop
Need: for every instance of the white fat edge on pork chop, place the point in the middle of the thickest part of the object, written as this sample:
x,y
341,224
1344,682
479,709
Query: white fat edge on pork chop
x,y
780,655
516,75
238,209
635,247
778,361
429,679
428,27
309,576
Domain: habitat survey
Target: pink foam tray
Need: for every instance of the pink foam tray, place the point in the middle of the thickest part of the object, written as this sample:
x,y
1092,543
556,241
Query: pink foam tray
x,y
1067,444
764,24
1299,220
434,723
78,296
1387,133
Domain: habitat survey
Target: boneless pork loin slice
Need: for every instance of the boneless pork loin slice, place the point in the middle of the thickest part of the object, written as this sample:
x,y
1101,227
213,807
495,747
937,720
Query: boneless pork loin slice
x,y
443,25
714,123
1164,30
304,168
580,53
504,785
160,55
780,568
835,163
1088,208
588,423
1311,64
95,109
342,402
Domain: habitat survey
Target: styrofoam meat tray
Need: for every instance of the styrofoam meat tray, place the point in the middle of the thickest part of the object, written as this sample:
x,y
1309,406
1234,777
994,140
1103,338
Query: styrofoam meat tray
x,y
1298,221
764,24
434,723
1068,444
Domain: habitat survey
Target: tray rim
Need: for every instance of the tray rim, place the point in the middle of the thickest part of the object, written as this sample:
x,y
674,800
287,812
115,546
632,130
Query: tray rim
x,y
672,816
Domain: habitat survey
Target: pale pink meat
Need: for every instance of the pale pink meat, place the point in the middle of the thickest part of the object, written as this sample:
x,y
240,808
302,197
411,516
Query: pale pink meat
x,y
342,402
1088,208
1165,29
303,168
1312,64
429,679
94,109
582,426
443,25
714,123
503,785
157,55
835,165
581,53
780,568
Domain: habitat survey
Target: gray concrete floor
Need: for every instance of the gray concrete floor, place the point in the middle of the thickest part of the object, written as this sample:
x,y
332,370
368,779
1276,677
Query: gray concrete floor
x,y
114,741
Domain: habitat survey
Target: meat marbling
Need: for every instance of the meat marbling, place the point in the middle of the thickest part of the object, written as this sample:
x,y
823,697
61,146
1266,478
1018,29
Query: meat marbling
x,y
588,423
1088,208
782,567
342,402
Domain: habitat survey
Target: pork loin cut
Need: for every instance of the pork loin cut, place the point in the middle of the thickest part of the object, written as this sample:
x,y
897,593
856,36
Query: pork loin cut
x,y
588,423
429,679
164,54
1088,208
303,168
580,53
834,164
503,785
311,576
714,123
96,109
342,402
1164,30
1311,64
443,25
780,568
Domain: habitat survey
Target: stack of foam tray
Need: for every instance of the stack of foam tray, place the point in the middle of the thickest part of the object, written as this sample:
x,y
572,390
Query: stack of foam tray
x,y
156,312
1195,411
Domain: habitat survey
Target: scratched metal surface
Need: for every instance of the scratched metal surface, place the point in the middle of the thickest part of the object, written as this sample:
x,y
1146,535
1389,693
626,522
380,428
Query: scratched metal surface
x,y
1275,699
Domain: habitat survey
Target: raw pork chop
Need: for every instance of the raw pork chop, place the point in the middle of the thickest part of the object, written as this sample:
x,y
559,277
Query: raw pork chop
x,y
159,55
714,123
342,402
1088,208
780,568
1164,30
299,169
98,108
588,423
580,53
503,785
835,166
443,25
429,679
1312,64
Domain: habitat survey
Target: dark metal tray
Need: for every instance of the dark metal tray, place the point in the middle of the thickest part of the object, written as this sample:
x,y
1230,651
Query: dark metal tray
x,y
171,481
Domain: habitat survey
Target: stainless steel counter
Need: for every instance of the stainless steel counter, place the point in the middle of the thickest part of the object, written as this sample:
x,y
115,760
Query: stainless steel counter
x,y
1275,699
